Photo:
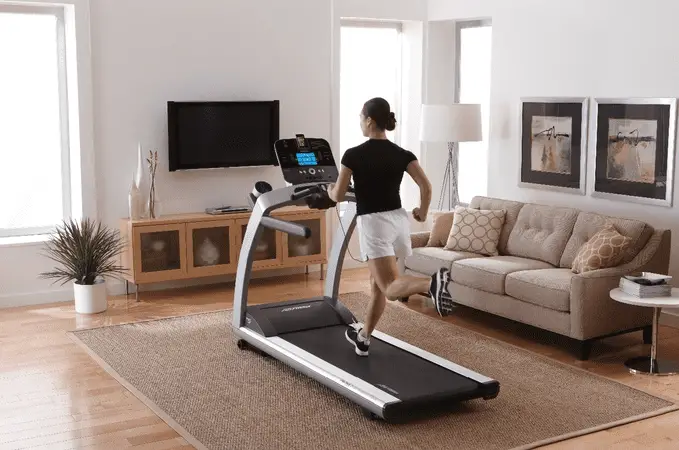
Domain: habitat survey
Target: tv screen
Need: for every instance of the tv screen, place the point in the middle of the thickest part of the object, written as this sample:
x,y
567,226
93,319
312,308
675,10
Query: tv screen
x,y
208,135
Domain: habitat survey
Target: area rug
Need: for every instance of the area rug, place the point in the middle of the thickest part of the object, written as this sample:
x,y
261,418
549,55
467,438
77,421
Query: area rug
x,y
189,371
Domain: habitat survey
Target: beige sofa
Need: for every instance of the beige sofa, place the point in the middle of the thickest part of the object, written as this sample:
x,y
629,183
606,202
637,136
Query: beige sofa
x,y
531,281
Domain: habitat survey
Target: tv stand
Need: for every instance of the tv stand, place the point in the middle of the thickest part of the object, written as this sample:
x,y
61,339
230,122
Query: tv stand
x,y
189,246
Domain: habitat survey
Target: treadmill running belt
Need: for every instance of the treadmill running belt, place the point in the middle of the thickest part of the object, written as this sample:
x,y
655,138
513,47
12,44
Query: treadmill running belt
x,y
400,373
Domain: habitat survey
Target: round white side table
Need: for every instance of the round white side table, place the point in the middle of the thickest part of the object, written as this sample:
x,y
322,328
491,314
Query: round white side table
x,y
651,365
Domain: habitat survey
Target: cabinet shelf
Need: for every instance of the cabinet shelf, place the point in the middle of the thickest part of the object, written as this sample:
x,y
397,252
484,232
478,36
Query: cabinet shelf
x,y
195,245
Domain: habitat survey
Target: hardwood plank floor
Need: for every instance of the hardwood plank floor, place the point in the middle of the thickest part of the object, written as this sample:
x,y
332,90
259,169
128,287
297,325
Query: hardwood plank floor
x,y
54,396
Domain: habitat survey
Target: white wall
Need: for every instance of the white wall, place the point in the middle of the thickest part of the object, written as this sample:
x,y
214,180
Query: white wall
x,y
604,48
146,53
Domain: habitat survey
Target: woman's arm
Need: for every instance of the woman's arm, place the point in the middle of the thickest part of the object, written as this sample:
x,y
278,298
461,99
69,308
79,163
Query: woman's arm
x,y
418,175
338,190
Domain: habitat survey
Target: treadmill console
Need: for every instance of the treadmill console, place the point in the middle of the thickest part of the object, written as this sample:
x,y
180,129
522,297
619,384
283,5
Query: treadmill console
x,y
306,160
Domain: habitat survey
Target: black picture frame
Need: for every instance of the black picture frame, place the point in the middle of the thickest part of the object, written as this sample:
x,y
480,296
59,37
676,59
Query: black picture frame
x,y
634,150
556,127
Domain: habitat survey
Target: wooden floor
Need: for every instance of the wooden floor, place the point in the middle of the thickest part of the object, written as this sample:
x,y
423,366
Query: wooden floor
x,y
53,396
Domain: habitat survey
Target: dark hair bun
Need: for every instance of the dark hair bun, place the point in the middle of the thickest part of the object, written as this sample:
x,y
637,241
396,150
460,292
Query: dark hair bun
x,y
391,122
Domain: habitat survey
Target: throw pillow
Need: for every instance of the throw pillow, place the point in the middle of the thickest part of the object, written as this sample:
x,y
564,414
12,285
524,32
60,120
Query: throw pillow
x,y
605,249
443,221
476,231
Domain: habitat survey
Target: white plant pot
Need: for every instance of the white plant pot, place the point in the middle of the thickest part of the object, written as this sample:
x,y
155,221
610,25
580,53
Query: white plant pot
x,y
90,299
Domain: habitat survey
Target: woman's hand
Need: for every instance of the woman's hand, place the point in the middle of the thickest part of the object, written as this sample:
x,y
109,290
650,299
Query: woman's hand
x,y
419,215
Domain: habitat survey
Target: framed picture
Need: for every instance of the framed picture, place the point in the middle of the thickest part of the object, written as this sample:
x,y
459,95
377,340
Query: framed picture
x,y
553,143
634,145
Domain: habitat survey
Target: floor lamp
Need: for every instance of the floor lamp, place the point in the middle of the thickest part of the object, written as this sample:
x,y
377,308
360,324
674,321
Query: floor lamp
x,y
451,124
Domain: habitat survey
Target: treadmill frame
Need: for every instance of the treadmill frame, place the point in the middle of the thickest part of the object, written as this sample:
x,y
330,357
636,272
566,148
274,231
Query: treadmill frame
x,y
375,400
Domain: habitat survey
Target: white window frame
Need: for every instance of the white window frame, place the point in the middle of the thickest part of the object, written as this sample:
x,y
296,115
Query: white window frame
x,y
398,26
459,26
66,192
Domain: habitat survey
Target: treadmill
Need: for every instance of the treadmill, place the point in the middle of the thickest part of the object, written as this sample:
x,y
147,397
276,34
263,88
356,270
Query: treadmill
x,y
397,382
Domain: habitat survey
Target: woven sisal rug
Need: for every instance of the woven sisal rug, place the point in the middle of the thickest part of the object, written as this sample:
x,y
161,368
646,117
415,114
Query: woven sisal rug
x,y
189,372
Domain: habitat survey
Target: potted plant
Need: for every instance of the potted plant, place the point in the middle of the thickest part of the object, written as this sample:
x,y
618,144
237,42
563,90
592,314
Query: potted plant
x,y
85,252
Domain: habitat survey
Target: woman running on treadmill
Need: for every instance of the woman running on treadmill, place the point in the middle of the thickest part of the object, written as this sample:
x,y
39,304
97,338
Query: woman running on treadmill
x,y
377,167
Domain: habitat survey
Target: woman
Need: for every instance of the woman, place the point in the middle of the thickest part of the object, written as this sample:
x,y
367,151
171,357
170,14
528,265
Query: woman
x,y
377,167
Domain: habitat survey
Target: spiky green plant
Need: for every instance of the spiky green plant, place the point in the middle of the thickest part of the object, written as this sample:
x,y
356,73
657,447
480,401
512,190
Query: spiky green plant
x,y
83,250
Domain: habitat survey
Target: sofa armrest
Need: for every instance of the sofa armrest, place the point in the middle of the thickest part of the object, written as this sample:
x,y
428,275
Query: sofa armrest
x,y
419,239
594,313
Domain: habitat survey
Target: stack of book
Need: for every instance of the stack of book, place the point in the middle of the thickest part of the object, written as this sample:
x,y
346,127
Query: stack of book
x,y
646,285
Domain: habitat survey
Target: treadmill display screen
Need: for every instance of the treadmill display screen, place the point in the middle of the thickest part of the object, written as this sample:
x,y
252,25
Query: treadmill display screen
x,y
307,159
296,158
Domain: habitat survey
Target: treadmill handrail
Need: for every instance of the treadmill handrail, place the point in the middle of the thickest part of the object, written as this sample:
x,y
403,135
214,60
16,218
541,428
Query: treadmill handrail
x,y
287,227
267,203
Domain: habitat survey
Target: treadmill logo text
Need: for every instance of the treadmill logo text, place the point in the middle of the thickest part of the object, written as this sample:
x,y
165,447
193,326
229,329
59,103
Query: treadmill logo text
x,y
294,308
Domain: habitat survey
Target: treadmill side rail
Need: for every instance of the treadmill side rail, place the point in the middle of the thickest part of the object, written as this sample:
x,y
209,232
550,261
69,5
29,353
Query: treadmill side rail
x,y
435,359
361,392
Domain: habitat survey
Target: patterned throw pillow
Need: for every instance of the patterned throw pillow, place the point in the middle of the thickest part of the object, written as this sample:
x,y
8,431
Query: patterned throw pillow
x,y
476,231
605,249
443,221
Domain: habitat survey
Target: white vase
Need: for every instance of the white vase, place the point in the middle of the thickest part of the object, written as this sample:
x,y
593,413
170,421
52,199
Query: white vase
x,y
90,299
138,176
135,202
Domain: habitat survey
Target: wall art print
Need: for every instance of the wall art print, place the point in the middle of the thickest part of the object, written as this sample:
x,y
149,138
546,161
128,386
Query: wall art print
x,y
633,152
553,143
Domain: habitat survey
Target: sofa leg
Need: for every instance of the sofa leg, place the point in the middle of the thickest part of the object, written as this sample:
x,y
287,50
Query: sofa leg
x,y
584,350
648,334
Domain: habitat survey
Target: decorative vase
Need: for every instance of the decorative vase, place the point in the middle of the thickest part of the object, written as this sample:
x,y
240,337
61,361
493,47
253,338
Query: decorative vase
x,y
90,298
153,205
135,202
208,253
138,176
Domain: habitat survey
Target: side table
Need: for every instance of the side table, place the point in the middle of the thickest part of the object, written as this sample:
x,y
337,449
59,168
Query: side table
x,y
650,365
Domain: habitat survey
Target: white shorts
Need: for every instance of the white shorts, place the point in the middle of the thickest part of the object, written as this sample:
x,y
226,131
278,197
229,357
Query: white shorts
x,y
385,234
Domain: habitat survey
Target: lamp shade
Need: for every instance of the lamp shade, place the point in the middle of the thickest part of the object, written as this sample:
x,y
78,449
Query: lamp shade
x,y
451,123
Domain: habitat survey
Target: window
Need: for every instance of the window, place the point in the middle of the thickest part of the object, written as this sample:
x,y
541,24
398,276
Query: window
x,y
34,148
370,66
473,86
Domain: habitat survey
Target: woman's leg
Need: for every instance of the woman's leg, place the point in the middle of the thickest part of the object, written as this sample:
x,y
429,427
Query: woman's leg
x,y
384,277
377,303
385,272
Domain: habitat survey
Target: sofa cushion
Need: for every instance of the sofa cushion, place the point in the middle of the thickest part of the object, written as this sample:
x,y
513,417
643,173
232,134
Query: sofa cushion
x,y
605,249
476,231
588,224
428,260
511,209
541,232
550,288
488,274
443,222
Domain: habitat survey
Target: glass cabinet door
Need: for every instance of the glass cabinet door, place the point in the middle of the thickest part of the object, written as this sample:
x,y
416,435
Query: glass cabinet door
x,y
211,247
299,249
159,252
267,252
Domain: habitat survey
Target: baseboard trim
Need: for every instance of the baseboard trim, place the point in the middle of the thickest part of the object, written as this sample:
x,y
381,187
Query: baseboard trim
x,y
36,298
670,319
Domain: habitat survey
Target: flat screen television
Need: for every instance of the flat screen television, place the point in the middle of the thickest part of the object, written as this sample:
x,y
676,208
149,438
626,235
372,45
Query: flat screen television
x,y
217,134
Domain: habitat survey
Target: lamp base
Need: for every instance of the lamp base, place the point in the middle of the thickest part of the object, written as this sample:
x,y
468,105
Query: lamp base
x,y
450,179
